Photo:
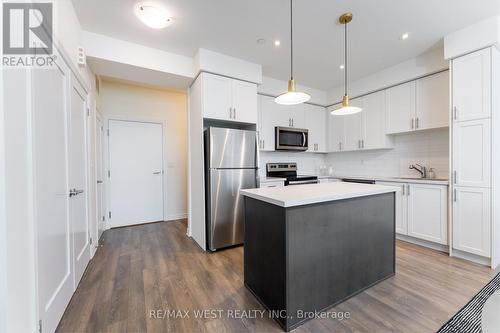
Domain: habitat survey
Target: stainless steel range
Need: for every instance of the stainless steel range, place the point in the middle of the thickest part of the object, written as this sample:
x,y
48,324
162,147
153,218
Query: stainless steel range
x,y
289,171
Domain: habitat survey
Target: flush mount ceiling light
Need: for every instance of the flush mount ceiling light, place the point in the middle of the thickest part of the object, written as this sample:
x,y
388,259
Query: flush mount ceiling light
x,y
346,109
341,67
277,42
404,36
292,96
152,15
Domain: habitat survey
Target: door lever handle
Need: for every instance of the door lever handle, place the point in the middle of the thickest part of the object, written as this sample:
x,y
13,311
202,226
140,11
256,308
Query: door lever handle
x,y
157,172
74,192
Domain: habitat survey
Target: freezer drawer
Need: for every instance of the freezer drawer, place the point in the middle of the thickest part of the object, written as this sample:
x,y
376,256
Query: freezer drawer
x,y
225,206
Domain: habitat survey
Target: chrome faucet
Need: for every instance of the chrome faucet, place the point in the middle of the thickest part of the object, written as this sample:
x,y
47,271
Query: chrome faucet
x,y
419,168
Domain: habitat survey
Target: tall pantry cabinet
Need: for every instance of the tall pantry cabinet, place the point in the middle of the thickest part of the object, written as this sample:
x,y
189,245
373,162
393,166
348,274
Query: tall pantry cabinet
x,y
475,157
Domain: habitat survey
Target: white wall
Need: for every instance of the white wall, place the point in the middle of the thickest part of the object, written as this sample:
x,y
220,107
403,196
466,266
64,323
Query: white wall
x,y
428,148
424,64
122,99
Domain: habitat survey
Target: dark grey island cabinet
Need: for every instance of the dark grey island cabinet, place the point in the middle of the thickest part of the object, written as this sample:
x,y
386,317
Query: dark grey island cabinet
x,y
310,247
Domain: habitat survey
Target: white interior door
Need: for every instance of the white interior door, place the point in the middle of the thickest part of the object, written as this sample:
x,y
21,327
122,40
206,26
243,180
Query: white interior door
x,y
55,275
78,180
136,172
100,206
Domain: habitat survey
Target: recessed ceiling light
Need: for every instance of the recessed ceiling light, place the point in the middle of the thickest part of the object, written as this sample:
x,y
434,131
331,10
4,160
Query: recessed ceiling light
x,y
341,67
152,15
277,42
404,36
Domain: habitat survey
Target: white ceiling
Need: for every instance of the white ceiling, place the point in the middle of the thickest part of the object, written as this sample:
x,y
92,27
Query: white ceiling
x,y
233,26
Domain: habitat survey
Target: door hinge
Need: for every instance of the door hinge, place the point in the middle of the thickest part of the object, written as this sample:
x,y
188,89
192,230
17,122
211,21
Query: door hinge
x,y
90,240
40,326
109,173
109,214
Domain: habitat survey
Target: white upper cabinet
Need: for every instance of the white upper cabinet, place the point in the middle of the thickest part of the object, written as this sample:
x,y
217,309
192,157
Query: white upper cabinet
x,y
418,105
472,153
472,220
373,122
428,212
217,97
336,139
315,122
433,106
352,127
269,117
472,86
400,108
244,101
228,99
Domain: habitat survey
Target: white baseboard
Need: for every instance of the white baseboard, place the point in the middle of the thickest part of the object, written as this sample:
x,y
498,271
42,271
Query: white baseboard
x,y
424,243
178,216
471,257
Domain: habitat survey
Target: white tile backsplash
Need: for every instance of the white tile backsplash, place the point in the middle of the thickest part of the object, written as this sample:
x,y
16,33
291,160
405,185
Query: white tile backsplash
x,y
429,148
307,163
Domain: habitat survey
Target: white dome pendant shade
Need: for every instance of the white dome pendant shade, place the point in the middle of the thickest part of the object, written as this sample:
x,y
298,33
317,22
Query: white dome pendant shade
x,y
345,109
292,96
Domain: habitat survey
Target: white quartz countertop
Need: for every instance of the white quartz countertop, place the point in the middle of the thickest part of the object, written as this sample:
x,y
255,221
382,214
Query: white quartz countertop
x,y
290,196
391,179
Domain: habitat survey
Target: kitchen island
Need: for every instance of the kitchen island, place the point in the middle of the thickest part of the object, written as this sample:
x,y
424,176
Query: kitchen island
x,y
310,247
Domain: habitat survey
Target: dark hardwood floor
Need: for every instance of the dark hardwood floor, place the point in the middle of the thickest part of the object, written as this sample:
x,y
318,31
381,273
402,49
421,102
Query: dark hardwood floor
x,y
151,267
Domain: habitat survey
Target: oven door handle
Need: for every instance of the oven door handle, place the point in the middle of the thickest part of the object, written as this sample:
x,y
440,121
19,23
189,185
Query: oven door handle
x,y
302,182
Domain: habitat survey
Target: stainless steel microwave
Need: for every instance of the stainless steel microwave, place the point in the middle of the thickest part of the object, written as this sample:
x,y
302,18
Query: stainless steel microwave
x,y
289,138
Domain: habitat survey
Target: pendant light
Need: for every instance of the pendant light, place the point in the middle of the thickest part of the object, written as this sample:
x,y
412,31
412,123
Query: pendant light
x,y
292,96
346,109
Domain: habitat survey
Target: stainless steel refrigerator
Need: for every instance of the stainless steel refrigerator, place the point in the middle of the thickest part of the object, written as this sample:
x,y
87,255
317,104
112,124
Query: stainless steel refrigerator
x,y
231,164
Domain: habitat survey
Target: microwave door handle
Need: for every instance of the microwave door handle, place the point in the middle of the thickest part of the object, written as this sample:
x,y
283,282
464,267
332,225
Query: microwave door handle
x,y
304,138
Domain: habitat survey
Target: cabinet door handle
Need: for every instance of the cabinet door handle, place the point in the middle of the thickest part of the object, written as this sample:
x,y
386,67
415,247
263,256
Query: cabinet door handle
x,y
455,177
234,113
363,143
340,146
263,144
417,123
412,123
404,192
230,113
455,112
455,195
408,190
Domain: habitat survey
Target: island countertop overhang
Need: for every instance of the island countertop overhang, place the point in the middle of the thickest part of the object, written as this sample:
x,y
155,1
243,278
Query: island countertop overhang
x,y
291,196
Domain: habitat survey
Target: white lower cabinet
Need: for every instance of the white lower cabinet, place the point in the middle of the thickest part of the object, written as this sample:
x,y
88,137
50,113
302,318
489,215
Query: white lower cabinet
x,y
428,212
401,207
471,220
422,211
